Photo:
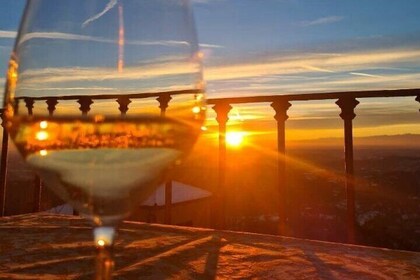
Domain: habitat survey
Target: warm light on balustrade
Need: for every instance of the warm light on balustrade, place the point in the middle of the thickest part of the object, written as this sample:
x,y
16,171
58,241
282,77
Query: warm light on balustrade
x,y
347,101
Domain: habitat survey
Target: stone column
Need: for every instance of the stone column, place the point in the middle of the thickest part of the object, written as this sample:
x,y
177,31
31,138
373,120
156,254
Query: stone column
x,y
29,103
85,103
219,197
347,105
163,105
123,101
51,102
3,171
280,107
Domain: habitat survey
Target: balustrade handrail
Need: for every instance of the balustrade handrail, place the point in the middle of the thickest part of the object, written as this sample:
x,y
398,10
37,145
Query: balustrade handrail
x,y
248,99
316,96
112,96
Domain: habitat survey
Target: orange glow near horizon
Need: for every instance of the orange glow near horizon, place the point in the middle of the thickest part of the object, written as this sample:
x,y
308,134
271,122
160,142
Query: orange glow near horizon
x,y
235,138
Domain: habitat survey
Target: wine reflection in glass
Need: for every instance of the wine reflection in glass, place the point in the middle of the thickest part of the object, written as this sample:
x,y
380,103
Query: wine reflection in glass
x,y
102,99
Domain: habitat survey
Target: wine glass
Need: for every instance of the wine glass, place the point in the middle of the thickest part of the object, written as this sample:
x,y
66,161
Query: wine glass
x,y
102,100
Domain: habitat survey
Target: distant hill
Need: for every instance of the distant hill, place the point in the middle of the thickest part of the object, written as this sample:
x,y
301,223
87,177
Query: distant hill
x,y
390,141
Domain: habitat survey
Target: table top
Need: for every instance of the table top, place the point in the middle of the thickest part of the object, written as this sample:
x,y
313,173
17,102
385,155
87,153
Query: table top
x,y
46,246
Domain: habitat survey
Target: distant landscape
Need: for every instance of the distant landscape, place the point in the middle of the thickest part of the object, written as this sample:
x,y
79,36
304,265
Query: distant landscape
x,y
387,169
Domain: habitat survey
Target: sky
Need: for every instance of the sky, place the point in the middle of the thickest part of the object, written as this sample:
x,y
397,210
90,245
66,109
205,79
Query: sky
x,y
255,47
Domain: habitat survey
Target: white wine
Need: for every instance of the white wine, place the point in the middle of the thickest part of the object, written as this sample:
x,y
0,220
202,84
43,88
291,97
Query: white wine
x,y
103,167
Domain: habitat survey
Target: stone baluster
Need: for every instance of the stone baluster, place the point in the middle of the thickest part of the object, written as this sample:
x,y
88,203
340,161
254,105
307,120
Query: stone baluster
x,y
347,105
281,106
219,199
52,103
163,100
3,170
85,102
123,101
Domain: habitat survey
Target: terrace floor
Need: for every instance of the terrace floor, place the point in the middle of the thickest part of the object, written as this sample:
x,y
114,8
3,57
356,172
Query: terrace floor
x,y
45,246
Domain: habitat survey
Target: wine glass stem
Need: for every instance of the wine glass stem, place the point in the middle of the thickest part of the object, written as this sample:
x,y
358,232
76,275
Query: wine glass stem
x,y
104,262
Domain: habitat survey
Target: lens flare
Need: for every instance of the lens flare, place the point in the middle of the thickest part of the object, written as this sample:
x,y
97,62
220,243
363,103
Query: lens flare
x,y
41,135
43,124
235,138
196,110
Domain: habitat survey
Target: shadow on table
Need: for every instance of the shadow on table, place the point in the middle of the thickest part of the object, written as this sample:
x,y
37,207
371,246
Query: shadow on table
x,y
194,258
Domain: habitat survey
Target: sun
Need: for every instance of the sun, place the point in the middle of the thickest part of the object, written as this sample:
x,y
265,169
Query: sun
x,y
235,138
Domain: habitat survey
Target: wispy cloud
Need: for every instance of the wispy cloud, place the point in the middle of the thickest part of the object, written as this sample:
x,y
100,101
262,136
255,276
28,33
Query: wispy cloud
x,y
61,36
55,75
108,7
7,34
311,72
75,80
322,20
386,81
211,46
203,1
168,43
316,69
78,37
365,75
313,63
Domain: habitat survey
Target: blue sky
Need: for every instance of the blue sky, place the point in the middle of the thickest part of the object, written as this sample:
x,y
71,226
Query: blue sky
x,y
244,32
264,47
284,25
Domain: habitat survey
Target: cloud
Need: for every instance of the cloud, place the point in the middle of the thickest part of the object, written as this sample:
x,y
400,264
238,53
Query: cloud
x,y
322,20
380,82
167,43
108,7
211,46
203,1
8,34
313,63
61,36
171,75
365,75
78,37
311,72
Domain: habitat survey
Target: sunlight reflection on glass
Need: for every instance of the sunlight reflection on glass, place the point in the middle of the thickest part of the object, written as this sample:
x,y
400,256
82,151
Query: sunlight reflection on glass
x,y
41,135
43,124
196,110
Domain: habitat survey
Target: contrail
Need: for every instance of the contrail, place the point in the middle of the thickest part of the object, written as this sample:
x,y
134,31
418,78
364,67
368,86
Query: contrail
x,y
7,34
365,75
108,7
121,39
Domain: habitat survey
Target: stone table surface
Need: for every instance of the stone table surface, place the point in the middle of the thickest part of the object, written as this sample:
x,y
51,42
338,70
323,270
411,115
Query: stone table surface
x,y
46,246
